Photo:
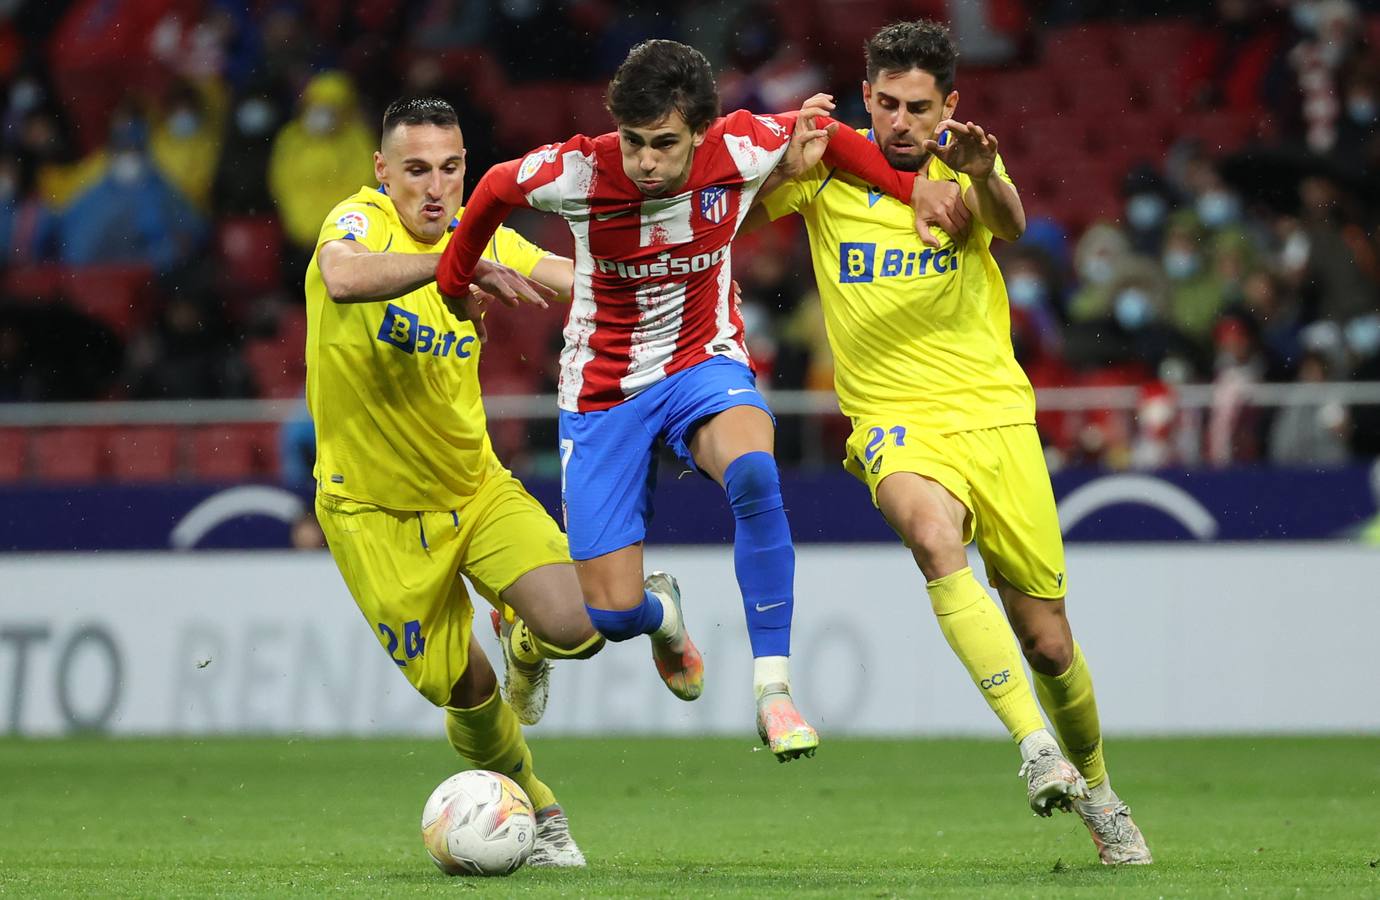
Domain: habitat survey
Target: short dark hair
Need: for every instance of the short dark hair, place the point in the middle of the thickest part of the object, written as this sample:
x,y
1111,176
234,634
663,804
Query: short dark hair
x,y
922,44
661,76
419,111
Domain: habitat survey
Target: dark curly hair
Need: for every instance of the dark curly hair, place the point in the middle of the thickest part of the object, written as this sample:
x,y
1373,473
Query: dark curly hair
x,y
661,76
903,46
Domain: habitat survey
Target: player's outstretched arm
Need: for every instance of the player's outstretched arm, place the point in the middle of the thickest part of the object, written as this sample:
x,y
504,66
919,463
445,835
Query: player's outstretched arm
x,y
355,274
461,265
972,151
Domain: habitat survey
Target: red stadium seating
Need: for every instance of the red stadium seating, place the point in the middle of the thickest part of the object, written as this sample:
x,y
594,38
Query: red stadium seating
x,y
278,367
122,297
1090,48
250,251
226,453
534,114
67,454
144,454
14,454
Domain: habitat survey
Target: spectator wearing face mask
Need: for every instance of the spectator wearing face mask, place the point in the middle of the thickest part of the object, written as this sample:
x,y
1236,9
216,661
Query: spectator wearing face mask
x,y
241,186
1147,207
1133,338
319,157
1233,426
186,139
1100,251
27,225
1196,296
131,214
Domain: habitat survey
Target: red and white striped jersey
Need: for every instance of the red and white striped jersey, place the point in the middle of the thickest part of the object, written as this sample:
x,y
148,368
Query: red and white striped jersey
x,y
653,293
653,284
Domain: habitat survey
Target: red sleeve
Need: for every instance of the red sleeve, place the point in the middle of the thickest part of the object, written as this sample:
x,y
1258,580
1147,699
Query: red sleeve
x,y
496,195
858,156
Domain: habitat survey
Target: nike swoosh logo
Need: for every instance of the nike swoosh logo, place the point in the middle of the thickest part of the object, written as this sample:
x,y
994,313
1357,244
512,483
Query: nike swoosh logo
x,y
733,392
604,217
761,608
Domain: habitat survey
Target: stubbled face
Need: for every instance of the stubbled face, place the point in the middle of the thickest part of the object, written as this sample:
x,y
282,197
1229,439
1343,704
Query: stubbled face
x,y
906,108
657,157
423,168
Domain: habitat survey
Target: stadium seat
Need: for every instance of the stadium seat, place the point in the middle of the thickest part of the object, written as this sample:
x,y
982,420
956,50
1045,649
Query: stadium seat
x,y
120,296
225,453
279,370
144,454
1160,40
14,454
1090,49
1104,95
1018,94
250,250
587,111
67,454
534,114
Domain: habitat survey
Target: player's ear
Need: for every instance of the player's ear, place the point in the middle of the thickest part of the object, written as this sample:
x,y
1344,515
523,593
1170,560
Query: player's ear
x,y
950,104
380,167
867,95
697,136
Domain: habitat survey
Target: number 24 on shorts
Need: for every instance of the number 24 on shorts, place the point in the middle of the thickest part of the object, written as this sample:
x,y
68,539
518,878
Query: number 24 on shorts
x,y
876,437
414,644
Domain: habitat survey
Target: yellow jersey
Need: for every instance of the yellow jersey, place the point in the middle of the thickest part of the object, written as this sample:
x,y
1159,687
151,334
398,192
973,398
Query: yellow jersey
x,y
393,385
913,328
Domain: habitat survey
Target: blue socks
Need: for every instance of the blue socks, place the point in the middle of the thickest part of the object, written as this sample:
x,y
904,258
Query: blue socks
x,y
763,555
626,624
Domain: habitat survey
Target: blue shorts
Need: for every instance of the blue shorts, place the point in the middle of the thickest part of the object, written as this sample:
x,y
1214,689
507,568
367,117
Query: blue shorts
x,y
608,457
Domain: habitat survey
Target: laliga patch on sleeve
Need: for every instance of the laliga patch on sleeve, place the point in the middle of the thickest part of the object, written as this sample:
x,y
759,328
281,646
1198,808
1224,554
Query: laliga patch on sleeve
x,y
534,161
355,223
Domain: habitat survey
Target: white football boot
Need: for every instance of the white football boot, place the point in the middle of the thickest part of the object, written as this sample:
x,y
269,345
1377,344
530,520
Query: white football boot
x,y
1052,782
554,846
526,673
1119,842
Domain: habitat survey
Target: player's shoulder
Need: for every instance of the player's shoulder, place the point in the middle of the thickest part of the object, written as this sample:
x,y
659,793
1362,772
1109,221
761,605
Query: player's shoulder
x,y
545,164
366,210
771,129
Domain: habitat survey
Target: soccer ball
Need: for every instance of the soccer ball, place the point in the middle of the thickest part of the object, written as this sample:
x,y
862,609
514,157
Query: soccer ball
x,y
478,823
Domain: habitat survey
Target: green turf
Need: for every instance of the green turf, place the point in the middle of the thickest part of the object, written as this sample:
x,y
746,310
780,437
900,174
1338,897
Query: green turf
x,y
1244,816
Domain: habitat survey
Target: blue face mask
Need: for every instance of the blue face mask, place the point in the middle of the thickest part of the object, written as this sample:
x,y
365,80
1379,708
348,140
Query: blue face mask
x,y
1026,291
1132,309
1145,211
1180,264
1217,208
183,123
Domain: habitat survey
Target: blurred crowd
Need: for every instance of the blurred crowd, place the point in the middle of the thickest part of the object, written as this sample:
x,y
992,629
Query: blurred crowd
x,y
189,149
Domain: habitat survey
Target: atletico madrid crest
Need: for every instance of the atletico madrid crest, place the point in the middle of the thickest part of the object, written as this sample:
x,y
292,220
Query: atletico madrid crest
x,y
714,204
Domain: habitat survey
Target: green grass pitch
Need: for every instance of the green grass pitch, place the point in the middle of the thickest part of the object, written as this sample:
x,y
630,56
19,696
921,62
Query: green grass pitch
x,y
697,817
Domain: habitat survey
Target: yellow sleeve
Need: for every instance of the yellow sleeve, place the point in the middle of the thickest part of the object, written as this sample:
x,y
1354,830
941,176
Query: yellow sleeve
x,y
357,220
508,248
941,172
796,193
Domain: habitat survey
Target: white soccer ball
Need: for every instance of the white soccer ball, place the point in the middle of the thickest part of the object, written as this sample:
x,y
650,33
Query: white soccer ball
x,y
478,823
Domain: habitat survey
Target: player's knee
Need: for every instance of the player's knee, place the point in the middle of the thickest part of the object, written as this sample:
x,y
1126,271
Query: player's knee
x,y
753,484
474,687
930,537
1049,653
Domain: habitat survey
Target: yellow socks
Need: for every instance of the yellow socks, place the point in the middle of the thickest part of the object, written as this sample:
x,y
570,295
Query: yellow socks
x,y
981,638
1069,701
490,737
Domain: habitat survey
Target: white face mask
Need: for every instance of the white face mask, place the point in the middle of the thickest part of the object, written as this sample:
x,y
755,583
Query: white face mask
x,y
1026,291
254,117
319,120
183,123
1132,309
1217,208
7,187
127,167
1180,264
1362,110
1096,269
1145,211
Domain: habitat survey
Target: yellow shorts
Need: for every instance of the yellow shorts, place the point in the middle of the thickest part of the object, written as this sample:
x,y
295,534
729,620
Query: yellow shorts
x,y
403,569
999,474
